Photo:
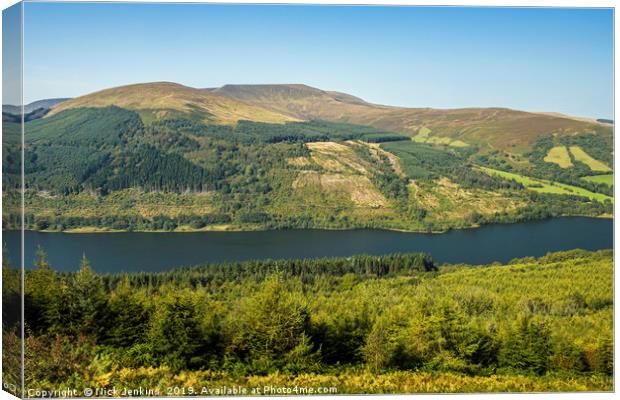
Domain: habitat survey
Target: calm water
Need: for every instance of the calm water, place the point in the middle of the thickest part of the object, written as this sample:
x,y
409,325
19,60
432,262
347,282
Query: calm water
x,y
114,252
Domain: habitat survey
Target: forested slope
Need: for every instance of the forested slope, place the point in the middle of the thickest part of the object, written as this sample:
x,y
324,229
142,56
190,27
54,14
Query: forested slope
x,y
364,325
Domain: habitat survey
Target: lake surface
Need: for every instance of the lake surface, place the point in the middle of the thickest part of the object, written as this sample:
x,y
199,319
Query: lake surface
x,y
136,251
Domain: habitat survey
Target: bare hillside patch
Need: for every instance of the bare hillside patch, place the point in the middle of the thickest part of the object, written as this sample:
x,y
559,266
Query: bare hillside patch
x,y
447,200
377,151
358,188
299,161
337,157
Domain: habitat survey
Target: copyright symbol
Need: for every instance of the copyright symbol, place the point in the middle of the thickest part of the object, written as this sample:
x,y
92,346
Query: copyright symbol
x,y
88,392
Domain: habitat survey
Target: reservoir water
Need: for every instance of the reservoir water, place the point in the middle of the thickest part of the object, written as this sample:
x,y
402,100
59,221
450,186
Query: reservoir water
x,y
139,251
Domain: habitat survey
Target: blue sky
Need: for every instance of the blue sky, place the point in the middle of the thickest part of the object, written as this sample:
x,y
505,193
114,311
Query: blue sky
x,y
11,55
530,58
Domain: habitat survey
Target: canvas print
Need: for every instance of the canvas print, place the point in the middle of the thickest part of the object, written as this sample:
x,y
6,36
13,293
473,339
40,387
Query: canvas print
x,y
223,199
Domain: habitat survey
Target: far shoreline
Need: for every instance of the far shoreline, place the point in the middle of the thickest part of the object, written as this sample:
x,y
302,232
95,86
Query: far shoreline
x,y
257,228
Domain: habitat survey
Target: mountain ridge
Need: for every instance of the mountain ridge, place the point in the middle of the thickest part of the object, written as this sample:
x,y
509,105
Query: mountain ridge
x,y
487,128
159,96
345,97
492,127
43,103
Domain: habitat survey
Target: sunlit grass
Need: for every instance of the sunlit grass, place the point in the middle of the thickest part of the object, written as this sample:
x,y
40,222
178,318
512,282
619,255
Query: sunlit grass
x,y
594,164
605,179
545,186
559,155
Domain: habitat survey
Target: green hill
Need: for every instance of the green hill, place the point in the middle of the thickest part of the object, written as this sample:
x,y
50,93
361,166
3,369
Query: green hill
x,y
164,99
487,128
165,156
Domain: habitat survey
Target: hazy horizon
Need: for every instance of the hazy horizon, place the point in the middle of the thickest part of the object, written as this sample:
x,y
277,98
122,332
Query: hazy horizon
x,y
530,59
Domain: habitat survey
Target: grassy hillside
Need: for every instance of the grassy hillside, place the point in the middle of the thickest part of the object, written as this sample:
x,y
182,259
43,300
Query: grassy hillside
x,y
559,155
556,159
543,186
594,164
605,179
167,99
365,324
167,157
486,128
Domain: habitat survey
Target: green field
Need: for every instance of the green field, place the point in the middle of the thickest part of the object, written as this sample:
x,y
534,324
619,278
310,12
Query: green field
x,y
559,155
423,137
594,164
545,186
605,179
